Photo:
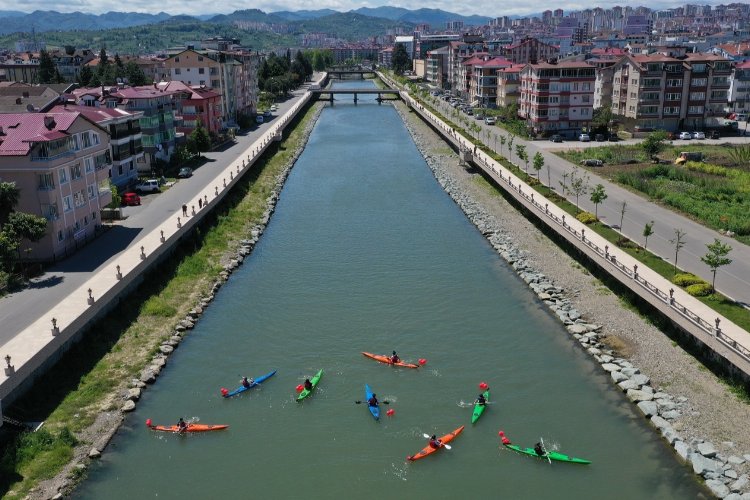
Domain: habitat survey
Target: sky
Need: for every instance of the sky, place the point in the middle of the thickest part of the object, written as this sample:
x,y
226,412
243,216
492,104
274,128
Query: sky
x,y
490,8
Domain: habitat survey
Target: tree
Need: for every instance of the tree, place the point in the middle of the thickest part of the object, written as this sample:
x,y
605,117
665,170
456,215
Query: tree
x,y
16,226
400,60
103,59
85,75
678,241
578,186
602,118
716,257
648,230
538,164
200,138
116,198
564,183
522,155
623,209
46,68
598,195
118,61
502,142
511,138
654,143
135,74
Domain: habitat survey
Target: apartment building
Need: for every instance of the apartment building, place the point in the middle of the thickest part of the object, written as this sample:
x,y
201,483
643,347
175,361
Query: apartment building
x,y
61,163
436,67
529,50
661,91
195,104
23,67
483,83
458,52
508,85
739,89
557,98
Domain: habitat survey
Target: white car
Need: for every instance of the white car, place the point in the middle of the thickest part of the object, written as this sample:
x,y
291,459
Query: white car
x,y
490,120
147,186
699,135
686,136
584,138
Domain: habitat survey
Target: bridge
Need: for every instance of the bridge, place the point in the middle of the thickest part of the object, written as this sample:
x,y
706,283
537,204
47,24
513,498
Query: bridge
x,y
341,73
355,92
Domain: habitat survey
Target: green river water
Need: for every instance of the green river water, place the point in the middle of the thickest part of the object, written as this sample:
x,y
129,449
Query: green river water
x,y
366,253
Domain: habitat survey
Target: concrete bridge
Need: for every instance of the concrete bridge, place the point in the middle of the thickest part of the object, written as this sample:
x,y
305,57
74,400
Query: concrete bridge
x,y
355,92
341,73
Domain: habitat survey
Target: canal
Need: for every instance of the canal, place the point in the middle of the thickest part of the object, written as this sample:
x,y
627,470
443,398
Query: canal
x,y
367,253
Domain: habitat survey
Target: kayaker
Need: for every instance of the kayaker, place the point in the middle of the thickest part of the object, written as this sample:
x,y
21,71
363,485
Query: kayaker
x,y
373,401
395,358
247,382
435,442
539,449
308,385
182,425
480,400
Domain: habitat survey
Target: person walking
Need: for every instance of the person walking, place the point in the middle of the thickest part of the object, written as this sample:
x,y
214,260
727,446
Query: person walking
x,y
184,210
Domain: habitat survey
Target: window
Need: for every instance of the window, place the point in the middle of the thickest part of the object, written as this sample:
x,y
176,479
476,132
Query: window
x,y
652,82
46,181
79,198
699,82
119,169
92,192
76,146
671,110
201,71
203,82
719,80
67,203
89,163
718,94
674,82
586,98
200,58
177,59
63,173
585,86
75,171
697,96
674,96
695,110
86,139
177,71
60,235
699,68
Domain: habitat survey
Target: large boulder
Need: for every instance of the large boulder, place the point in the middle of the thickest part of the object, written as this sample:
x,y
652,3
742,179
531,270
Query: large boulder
x,y
703,465
682,449
706,449
636,395
648,408
717,488
128,406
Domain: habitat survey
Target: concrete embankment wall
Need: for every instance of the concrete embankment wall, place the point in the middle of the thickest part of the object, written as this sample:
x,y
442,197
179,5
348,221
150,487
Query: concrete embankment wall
x,y
40,345
714,336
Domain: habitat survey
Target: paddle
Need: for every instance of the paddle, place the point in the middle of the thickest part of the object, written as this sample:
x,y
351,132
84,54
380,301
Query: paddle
x,y
444,445
384,402
541,440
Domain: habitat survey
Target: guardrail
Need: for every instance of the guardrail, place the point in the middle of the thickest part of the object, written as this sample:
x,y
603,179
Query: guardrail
x,y
522,191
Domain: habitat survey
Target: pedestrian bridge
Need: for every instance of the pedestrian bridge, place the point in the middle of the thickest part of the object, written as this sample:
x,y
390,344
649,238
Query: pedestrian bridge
x,y
355,92
341,73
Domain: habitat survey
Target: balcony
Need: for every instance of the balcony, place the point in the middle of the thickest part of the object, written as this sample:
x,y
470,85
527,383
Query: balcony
x,y
43,157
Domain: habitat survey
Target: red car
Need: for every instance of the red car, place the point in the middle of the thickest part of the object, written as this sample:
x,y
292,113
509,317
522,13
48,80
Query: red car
x,y
130,199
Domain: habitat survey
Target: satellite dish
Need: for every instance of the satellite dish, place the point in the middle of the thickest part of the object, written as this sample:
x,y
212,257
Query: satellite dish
x,y
30,108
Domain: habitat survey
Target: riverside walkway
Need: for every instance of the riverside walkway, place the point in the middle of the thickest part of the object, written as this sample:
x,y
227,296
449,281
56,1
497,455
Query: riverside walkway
x,y
723,337
40,320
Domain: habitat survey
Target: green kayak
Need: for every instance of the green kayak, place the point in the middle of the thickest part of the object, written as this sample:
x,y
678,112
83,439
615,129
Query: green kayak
x,y
552,455
314,381
479,409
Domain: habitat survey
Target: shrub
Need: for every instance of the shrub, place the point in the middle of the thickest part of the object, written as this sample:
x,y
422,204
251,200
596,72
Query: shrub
x,y
157,306
586,217
700,289
687,279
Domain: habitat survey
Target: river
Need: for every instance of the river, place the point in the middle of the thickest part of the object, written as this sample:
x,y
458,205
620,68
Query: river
x,y
366,252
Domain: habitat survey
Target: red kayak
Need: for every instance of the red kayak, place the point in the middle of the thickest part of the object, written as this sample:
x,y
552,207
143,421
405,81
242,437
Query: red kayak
x,y
428,450
190,427
387,360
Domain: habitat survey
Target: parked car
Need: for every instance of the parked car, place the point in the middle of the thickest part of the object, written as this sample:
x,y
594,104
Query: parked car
x,y
584,138
600,138
686,136
613,138
147,186
274,107
592,163
741,117
699,135
259,119
267,115
185,172
130,199
489,120
479,116
714,135
556,138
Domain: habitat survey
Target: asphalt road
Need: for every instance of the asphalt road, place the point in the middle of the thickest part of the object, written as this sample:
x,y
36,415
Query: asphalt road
x,y
18,310
732,280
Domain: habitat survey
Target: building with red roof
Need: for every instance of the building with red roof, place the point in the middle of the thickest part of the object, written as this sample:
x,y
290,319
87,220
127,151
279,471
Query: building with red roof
x,y
195,104
739,89
61,164
483,81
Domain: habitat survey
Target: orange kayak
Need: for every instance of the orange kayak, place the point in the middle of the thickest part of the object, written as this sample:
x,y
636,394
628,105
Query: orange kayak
x,y
427,450
190,427
387,360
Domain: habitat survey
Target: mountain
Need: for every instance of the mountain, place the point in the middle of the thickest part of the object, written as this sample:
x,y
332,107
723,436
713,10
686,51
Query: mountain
x,y
434,17
50,20
349,25
301,15
11,13
247,15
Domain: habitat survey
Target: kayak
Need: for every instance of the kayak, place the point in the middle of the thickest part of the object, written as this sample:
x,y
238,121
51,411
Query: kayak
x,y
190,428
314,381
255,382
479,409
387,360
552,455
427,450
375,410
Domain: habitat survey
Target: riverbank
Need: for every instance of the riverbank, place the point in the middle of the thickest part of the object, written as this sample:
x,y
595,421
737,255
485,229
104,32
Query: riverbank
x,y
706,408
97,385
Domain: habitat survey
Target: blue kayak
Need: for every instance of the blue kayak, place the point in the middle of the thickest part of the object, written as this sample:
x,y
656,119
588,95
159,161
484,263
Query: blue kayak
x,y
256,382
375,410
